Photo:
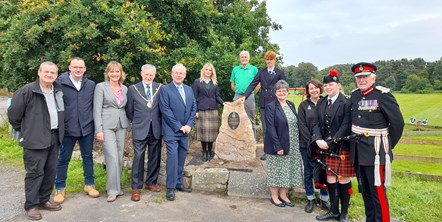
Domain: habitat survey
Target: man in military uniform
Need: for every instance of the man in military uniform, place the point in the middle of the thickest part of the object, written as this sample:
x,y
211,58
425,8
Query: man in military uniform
x,y
376,112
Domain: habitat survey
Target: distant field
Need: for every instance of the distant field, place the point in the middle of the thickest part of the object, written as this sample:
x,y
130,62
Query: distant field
x,y
421,106
418,150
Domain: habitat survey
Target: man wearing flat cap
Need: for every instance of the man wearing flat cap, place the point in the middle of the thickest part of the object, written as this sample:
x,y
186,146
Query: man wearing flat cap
x,y
376,112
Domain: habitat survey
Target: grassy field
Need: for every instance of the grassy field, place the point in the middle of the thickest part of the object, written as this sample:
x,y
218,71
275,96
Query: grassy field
x,y
418,150
420,106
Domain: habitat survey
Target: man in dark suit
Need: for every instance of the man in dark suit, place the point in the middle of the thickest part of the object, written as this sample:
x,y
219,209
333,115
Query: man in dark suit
x,y
178,107
143,111
267,77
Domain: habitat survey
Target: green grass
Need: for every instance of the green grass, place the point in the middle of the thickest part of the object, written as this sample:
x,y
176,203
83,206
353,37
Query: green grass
x,y
421,106
423,137
418,167
410,199
418,150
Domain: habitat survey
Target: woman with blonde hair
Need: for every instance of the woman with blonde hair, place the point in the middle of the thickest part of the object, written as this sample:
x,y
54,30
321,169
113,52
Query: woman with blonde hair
x,y
207,96
111,124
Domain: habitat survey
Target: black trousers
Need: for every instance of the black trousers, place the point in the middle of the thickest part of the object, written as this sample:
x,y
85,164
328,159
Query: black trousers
x,y
153,161
41,169
375,197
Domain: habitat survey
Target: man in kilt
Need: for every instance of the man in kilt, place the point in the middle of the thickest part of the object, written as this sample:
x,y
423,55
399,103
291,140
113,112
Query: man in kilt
x,y
334,122
376,113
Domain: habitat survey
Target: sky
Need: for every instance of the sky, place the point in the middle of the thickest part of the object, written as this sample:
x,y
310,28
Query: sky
x,y
329,32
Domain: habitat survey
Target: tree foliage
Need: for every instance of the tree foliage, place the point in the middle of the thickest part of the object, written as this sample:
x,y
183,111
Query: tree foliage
x,y
162,33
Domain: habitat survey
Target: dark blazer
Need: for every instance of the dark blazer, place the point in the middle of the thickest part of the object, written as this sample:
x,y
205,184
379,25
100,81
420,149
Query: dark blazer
x,y
175,113
340,120
277,132
206,99
267,83
306,118
140,115
79,106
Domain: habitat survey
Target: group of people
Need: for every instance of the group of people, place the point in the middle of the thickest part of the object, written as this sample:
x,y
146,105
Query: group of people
x,y
337,138
55,112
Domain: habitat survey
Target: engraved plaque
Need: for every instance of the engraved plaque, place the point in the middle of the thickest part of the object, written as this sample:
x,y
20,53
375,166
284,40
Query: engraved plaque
x,y
233,120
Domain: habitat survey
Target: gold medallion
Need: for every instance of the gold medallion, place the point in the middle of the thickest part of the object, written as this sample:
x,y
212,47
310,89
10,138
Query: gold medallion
x,y
149,105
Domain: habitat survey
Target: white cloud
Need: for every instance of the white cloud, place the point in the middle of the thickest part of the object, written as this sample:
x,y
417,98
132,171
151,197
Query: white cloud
x,y
346,31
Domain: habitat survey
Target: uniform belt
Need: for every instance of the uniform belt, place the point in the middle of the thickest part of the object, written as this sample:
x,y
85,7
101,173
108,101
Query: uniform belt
x,y
54,130
379,134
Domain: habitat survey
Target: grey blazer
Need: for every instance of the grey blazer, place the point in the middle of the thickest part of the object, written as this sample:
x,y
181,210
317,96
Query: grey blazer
x,y
107,113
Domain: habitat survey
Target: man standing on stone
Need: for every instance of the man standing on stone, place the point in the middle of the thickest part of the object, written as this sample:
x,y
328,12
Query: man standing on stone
x,y
376,112
37,112
143,111
178,108
267,78
242,76
78,96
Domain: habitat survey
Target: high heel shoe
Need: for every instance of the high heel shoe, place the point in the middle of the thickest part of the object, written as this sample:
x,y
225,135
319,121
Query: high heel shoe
x,y
287,203
282,204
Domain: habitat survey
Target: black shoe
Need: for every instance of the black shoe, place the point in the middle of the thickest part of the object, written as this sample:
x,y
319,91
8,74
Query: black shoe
x,y
310,206
205,157
183,189
170,194
287,203
328,216
343,217
325,205
282,204
264,157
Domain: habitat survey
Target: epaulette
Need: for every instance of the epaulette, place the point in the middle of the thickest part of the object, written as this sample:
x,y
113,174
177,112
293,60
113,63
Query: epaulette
x,y
383,89
354,90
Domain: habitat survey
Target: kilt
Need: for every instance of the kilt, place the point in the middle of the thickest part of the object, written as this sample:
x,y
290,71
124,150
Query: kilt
x,y
342,167
207,125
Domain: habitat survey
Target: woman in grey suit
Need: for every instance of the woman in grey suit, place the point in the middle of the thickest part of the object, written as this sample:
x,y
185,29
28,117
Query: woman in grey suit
x,y
111,124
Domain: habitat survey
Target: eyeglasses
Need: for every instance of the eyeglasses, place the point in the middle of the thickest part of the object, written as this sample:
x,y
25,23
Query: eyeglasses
x,y
77,67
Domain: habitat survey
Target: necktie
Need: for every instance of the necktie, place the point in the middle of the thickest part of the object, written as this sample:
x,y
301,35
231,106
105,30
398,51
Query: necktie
x,y
183,96
148,92
329,104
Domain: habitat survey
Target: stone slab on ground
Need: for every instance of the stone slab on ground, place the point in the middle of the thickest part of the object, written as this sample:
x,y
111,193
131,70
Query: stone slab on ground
x,y
210,179
248,184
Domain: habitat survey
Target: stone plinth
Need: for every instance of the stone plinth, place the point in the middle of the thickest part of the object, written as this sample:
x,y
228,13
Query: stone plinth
x,y
212,179
236,140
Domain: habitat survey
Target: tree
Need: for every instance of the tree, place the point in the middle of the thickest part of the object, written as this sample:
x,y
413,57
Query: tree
x,y
162,33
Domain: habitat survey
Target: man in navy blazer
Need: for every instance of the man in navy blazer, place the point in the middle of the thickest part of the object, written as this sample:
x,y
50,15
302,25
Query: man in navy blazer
x,y
143,111
178,107
268,78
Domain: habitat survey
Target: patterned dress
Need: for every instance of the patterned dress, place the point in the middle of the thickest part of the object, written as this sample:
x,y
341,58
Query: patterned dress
x,y
286,170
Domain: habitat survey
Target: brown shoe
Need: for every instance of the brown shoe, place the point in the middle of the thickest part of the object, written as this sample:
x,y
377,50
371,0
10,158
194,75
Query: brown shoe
x,y
50,206
33,214
91,191
135,195
152,187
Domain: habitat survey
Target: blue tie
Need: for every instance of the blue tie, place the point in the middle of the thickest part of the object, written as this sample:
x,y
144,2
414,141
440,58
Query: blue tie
x,y
148,92
183,96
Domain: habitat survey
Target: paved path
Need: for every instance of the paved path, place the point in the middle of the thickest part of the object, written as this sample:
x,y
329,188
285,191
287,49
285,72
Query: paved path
x,y
194,206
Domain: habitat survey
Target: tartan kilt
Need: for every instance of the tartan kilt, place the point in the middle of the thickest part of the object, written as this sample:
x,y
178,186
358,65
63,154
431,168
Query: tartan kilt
x,y
342,167
207,125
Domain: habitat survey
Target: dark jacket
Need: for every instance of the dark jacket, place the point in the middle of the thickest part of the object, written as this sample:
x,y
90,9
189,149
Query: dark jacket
x,y
340,121
384,113
277,131
141,116
206,99
267,81
306,117
29,114
79,106
175,113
